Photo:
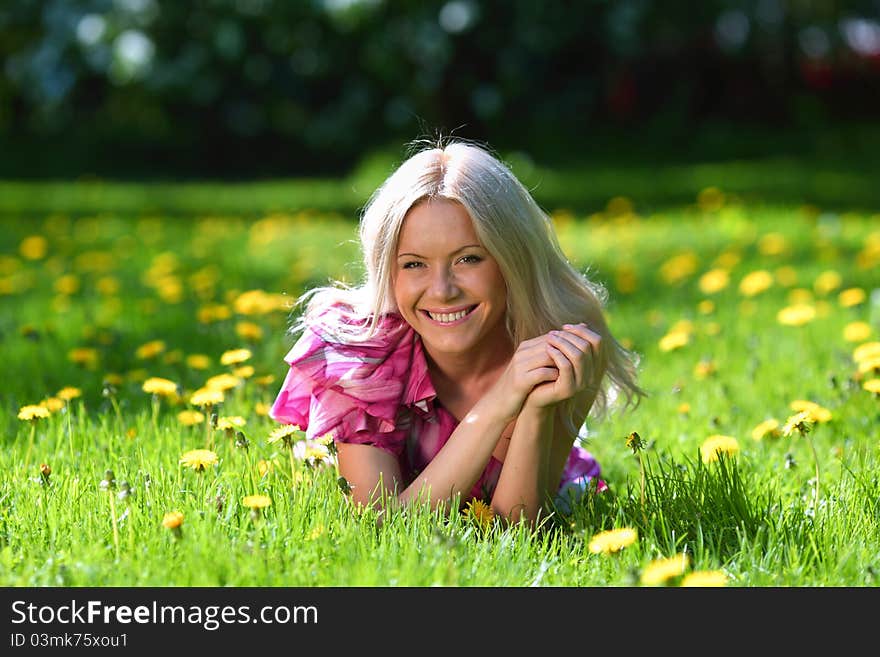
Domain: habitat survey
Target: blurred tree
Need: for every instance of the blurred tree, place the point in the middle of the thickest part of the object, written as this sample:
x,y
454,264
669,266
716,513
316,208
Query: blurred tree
x,y
273,87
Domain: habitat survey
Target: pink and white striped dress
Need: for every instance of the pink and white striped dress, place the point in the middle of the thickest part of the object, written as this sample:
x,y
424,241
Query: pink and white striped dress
x,y
379,393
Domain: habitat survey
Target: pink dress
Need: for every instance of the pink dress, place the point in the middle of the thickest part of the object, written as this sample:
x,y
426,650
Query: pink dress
x,y
379,393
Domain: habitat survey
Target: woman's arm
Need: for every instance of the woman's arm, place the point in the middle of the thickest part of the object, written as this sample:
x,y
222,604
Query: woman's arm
x,y
375,475
541,443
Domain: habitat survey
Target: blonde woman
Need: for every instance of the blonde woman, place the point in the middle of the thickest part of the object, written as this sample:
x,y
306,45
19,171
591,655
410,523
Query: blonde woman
x,y
465,362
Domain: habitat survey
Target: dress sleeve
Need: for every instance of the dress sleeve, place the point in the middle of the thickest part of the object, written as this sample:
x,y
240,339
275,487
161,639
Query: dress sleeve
x,y
354,392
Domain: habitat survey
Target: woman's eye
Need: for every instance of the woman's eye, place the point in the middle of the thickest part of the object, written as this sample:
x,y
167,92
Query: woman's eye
x,y
471,259
411,265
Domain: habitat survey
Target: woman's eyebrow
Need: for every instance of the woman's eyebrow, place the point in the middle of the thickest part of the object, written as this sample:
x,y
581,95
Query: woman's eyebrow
x,y
461,248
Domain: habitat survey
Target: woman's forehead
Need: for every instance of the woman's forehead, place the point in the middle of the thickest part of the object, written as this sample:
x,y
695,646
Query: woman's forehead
x,y
437,225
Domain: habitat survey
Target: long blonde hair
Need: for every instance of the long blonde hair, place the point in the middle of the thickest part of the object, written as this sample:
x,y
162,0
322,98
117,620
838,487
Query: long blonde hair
x,y
544,291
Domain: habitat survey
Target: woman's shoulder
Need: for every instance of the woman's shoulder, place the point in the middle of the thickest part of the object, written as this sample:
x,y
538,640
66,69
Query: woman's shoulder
x,y
340,329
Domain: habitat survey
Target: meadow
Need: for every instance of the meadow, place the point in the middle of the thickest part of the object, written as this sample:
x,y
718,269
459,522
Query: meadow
x,y
143,334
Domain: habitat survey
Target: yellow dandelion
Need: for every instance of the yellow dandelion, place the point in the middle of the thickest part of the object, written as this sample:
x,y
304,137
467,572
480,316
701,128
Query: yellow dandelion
x,y
235,356
284,433
264,467
856,331
68,393
172,520
158,386
718,444
851,297
769,427
149,349
872,385
266,380
866,351
660,571
480,512
86,356
613,540
262,408
256,501
674,340
206,397
249,331
710,199
772,244
53,404
799,295
679,267
198,459
223,382
706,307
796,315
817,413
33,412
198,361
714,281
704,369
684,408
190,418
244,372
705,578
34,247
871,364
231,422
827,281
799,422
755,282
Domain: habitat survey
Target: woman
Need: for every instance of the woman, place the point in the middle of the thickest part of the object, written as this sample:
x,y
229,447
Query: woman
x,y
465,362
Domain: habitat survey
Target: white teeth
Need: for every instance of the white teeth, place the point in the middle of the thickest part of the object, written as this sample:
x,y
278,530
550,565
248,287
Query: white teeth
x,y
447,317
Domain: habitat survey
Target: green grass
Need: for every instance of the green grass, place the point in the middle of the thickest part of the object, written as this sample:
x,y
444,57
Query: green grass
x,y
127,268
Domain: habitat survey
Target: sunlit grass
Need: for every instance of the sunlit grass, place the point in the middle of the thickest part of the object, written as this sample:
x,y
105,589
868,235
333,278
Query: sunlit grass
x,y
153,345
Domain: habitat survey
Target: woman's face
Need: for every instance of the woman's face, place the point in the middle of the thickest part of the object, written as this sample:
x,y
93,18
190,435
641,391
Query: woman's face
x,y
447,286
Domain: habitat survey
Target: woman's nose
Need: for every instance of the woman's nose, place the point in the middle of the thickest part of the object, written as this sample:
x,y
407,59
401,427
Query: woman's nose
x,y
443,284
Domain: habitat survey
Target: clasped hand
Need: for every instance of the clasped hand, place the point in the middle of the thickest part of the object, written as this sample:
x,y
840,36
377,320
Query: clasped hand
x,y
553,367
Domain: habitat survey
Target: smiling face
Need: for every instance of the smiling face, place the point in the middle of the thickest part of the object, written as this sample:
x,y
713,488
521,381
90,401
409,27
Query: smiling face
x,y
446,285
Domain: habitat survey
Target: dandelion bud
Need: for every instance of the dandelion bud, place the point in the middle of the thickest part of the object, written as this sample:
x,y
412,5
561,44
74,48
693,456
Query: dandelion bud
x,y
241,441
125,491
109,480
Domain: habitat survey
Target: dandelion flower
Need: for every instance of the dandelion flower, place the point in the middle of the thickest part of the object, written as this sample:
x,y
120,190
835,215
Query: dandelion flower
x,y
68,393
856,331
231,422
866,351
817,413
796,314
198,361
755,282
235,356
223,382
249,331
53,404
634,442
612,540
718,444
871,364
827,281
661,571
674,340
33,412
284,433
206,397
149,349
480,512
190,418
772,244
312,452
767,427
172,520
85,356
714,281
851,297
256,501
872,385
198,459
705,578
158,386
799,422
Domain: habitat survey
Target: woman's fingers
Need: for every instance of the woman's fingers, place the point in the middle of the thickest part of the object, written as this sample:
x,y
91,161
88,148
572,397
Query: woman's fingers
x,y
576,350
